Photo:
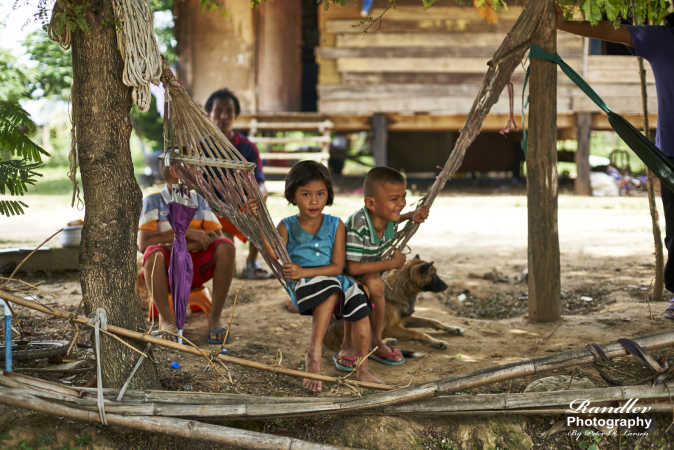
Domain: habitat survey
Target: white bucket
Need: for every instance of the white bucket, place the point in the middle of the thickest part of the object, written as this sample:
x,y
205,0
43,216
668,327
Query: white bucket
x,y
71,236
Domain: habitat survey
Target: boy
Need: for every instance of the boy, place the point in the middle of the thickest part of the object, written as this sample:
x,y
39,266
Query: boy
x,y
369,233
656,45
212,256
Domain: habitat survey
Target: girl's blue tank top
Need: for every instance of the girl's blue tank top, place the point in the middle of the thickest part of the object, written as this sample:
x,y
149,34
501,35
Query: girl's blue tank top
x,y
311,250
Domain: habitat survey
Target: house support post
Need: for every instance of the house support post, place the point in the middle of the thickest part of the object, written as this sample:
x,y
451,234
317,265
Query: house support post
x,y
584,126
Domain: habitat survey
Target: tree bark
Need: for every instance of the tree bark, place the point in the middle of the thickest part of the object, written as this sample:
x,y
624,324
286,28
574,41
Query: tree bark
x,y
101,105
584,125
543,248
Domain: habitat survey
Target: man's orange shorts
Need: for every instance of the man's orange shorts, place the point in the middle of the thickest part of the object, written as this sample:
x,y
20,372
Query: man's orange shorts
x,y
229,228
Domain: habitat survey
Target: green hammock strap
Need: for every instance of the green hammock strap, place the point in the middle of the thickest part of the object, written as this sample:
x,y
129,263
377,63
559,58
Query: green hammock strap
x,y
539,53
525,106
651,155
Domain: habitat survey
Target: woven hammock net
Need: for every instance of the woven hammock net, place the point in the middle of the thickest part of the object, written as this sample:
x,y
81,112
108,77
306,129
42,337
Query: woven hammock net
x,y
207,162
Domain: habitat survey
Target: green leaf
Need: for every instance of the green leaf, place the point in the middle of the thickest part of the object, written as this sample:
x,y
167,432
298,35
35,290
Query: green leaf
x,y
11,207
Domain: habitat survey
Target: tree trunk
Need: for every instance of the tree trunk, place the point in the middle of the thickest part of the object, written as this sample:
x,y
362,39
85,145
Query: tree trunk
x,y
101,105
584,125
543,251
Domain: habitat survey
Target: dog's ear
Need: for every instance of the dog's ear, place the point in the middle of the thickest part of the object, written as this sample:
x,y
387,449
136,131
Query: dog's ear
x,y
425,267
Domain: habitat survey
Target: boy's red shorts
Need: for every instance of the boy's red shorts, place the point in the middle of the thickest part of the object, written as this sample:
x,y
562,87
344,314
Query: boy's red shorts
x,y
203,270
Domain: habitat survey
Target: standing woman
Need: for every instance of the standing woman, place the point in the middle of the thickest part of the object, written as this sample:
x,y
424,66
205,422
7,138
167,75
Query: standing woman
x,y
223,108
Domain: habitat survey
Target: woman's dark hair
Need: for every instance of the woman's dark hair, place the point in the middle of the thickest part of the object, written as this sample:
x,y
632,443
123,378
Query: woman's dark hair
x,y
224,94
304,172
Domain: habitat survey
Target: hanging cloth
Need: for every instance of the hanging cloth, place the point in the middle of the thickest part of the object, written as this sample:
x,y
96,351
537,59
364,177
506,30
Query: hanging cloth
x,y
181,211
648,152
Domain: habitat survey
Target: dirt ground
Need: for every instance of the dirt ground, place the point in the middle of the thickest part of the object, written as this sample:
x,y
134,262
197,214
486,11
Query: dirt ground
x,y
478,243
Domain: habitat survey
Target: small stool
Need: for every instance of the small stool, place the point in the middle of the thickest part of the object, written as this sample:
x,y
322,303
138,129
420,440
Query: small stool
x,y
199,300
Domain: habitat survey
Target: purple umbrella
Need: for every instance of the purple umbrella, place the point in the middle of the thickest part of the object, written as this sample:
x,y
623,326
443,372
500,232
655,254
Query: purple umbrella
x,y
180,215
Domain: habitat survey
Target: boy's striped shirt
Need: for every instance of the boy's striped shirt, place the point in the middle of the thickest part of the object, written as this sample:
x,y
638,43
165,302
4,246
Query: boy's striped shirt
x,y
154,216
362,242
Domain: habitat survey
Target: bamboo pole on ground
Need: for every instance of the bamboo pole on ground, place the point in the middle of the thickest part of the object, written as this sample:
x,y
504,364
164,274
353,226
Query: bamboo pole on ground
x,y
412,393
188,349
176,427
264,407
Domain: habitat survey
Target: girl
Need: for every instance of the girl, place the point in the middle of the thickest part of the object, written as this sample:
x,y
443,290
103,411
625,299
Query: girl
x,y
316,245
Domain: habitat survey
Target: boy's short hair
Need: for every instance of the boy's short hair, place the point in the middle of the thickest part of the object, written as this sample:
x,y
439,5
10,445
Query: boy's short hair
x,y
380,175
223,93
304,172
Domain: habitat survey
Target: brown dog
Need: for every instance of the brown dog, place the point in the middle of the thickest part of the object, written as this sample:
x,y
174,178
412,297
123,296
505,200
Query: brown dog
x,y
402,287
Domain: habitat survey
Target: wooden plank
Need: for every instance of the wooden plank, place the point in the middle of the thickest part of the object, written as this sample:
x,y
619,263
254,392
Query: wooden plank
x,y
422,52
316,156
616,69
339,26
621,105
600,121
444,40
288,140
398,121
419,13
287,125
384,91
445,65
360,78
439,105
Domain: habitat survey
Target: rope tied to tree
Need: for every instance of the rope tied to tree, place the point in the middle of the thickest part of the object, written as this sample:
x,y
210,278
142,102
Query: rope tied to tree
x,y
100,321
139,49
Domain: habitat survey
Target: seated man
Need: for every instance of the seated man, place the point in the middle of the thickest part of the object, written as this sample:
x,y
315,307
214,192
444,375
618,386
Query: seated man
x,y
212,256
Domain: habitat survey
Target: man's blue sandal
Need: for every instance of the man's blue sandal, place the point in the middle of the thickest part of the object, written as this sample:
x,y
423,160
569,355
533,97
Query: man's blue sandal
x,y
217,336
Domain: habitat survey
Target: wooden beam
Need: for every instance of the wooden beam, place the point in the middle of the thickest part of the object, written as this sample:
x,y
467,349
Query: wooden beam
x,y
543,241
421,38
582,184
380,141
430,25
406,122
422,52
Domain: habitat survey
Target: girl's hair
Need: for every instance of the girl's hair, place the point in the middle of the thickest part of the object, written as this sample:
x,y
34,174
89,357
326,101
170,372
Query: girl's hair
x,y
669,20
223,94
304,172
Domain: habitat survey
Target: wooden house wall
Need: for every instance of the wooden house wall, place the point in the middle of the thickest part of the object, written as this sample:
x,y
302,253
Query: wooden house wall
x,y
419,60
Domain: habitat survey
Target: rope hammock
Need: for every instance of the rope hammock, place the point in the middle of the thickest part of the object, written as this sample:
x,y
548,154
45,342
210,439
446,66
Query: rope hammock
x,y
207,162
201,155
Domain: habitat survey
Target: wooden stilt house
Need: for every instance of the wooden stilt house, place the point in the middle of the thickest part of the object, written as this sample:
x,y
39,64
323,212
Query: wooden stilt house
x,y
407,74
